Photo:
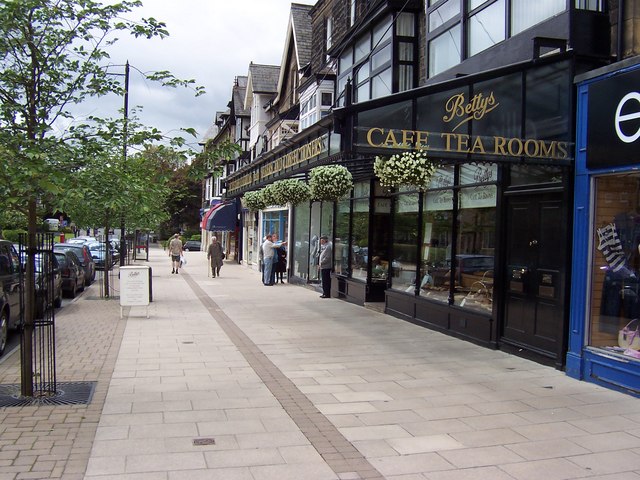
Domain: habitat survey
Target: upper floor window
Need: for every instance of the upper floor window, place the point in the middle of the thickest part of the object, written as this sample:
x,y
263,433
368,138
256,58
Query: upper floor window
x,y
329,29
525,13
376,64
459,29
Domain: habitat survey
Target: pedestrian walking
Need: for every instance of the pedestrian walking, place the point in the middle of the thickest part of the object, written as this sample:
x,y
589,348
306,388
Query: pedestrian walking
x,y
215,255
326,254
175,252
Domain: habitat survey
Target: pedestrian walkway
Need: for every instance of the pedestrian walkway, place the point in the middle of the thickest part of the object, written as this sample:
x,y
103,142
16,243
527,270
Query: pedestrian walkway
x,y
230,380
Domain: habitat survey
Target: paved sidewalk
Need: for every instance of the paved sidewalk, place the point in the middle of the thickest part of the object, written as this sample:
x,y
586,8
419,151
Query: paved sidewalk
x,y
230,380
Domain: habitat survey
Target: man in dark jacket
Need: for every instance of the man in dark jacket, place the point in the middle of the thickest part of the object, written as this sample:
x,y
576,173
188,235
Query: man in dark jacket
x,y
326,259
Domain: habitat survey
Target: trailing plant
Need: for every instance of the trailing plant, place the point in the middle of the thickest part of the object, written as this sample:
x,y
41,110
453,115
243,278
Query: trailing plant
x,y
330,182
411,168
289,191
253,200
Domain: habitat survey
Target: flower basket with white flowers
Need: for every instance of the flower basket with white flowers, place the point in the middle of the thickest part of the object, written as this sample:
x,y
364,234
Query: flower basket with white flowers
x,y
289,191
271,196
330,182
412,168
253,201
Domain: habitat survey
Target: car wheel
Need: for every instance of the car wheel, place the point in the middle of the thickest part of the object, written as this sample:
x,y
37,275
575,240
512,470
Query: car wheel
x,y
4,330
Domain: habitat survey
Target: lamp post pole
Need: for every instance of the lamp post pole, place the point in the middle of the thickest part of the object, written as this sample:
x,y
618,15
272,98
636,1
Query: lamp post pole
x,y
123,238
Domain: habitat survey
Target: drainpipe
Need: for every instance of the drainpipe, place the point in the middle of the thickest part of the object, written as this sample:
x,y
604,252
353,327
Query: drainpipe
x,y
620,36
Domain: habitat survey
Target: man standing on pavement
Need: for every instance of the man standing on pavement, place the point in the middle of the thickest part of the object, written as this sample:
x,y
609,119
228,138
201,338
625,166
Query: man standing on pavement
x,y
175,251
326,254
267,256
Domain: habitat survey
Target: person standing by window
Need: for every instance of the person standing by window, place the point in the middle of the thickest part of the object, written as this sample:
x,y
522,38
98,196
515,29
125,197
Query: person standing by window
x,y
326,254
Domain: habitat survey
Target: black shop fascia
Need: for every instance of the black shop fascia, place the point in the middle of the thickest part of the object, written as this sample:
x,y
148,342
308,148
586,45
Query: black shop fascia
x,y
507,133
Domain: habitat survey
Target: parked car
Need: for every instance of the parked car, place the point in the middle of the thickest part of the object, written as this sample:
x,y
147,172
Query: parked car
x,y
10,284
48,283
82,239
195,245
84,256
99,253
72,272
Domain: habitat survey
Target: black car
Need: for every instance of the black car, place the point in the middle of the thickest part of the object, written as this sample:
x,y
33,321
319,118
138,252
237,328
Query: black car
x,y
72,272
84,256
10,283
194,245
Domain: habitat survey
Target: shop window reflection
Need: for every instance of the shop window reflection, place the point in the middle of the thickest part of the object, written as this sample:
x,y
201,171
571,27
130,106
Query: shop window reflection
x,y
405,237
615,275
436,245
475,248
360,236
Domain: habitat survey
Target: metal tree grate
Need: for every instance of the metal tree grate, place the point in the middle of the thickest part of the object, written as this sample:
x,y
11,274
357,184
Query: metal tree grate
x,y
66,393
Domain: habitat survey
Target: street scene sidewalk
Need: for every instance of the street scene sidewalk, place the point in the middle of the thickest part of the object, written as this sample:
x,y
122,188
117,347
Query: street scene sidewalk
x,y
230,380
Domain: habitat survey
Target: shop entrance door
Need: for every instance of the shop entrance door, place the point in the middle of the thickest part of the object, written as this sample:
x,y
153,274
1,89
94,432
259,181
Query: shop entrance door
x,y
536,244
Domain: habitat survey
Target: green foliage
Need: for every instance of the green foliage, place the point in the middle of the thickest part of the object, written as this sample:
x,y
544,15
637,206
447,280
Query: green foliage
x,y
53,55
196,237
13,235
289,191
212,158
253,200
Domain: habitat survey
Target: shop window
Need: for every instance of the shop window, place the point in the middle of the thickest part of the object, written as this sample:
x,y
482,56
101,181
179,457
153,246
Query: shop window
x,y
301,243
405,238
437,228
341,244
360,232
475,248
615,274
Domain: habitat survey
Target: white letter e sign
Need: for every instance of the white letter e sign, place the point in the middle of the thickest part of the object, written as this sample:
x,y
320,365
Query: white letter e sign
x,y
625,118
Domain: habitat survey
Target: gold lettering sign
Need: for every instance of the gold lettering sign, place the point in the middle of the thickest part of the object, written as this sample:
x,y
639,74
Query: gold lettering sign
x,y
306,152
458,109
474,144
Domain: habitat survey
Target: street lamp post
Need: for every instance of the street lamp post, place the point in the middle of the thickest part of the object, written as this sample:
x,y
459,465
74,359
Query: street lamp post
x,y
123,238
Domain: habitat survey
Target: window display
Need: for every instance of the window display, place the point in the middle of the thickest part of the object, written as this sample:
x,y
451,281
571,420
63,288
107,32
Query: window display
x,y
615,281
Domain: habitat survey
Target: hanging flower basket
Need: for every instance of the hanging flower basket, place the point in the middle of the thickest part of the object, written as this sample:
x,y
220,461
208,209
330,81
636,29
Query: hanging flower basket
x,y
410,169
289,191
270,196
330,182
253,200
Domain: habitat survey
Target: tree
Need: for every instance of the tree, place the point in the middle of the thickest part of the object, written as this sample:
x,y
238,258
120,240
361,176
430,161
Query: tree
x,y
52,54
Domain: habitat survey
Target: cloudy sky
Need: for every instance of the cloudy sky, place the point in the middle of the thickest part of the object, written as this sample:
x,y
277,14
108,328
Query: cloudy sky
x,y
212,42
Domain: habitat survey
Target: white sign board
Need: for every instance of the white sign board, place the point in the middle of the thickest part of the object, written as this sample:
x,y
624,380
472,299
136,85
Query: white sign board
x,y
134,287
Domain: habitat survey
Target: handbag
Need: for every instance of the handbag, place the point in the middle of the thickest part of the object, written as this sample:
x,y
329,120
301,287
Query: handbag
x,y
224,255
183,261
629,338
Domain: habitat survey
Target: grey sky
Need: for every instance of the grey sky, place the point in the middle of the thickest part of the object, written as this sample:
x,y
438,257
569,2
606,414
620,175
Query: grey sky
x,y
211,41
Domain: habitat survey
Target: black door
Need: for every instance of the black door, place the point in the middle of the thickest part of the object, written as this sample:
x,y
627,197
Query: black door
x,y
537,246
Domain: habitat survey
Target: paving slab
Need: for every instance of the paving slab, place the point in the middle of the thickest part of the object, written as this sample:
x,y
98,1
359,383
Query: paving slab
x,y
229,380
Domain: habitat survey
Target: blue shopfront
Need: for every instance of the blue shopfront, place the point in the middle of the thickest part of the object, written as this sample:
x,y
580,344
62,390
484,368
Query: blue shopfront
x,y
604,337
